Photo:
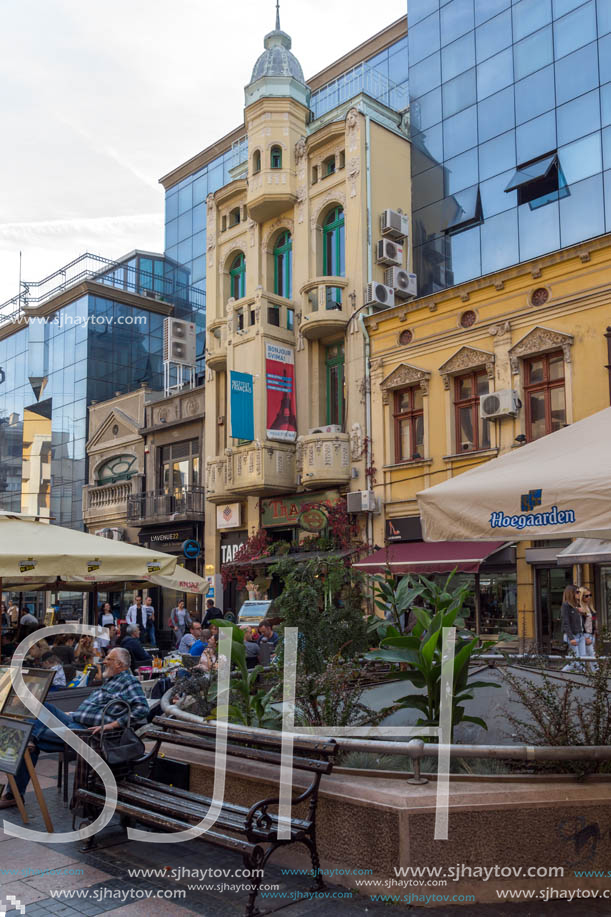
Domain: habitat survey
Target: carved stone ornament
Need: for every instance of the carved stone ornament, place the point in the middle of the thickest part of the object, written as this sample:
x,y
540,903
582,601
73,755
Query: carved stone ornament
x,y
300,149
540,340
405,374
500,329
336,196
275,228
464,359
352,119
356,442
354,169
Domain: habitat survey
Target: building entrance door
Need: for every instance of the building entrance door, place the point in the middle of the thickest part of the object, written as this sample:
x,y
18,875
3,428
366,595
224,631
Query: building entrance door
x,y
550,583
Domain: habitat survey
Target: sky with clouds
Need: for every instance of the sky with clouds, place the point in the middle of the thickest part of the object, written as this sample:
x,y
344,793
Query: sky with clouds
x,y
97,101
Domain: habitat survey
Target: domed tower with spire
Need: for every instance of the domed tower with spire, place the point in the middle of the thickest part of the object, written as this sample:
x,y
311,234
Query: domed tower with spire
x,y
277,103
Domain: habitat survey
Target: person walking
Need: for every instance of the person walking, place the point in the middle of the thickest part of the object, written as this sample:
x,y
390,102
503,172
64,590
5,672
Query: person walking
x,y
150,621
588,614
572,624
212,612
180,619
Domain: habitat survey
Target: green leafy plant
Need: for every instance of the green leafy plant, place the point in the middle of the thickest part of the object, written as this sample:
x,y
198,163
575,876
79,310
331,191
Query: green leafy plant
x,y
322,597
248,706
564,713
421,653
333,697
393,598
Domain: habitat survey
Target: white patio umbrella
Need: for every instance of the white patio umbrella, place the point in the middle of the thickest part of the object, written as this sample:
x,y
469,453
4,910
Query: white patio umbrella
x,y
556,487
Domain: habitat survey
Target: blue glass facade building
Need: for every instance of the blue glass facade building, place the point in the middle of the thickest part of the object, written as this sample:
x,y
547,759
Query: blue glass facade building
x,y
507,98
52,369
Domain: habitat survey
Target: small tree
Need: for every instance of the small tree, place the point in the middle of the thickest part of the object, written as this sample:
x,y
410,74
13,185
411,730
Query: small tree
x,y
322,597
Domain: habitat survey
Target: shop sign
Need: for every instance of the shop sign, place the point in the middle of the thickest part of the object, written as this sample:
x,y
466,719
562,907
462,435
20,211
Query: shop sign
x,y
404,528
229,516
231,544
286,510
191,549
166,540
242,406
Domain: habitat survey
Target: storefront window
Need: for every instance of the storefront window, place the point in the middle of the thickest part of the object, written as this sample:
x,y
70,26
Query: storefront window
x,y
498,603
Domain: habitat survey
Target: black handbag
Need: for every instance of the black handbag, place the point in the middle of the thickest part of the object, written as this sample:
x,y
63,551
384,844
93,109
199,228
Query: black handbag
x,y
122,745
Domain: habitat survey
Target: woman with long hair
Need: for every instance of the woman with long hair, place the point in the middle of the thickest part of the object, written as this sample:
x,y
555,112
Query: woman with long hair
x,y
588,614
572,623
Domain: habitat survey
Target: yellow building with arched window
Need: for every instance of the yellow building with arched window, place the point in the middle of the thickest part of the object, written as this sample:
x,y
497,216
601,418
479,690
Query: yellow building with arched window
x,y
536,335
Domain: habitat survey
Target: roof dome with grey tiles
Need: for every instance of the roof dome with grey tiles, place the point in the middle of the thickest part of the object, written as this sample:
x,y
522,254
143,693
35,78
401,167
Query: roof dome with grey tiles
x,y
278,68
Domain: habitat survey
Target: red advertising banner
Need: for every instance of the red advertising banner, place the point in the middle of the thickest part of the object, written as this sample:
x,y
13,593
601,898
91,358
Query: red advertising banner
x,y
280,385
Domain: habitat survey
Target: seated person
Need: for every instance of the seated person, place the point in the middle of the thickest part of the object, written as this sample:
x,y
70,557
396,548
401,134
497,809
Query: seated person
x,y
118,683
207,661
50,661
200,645
191,637
131,642
267,634
251,647
63,648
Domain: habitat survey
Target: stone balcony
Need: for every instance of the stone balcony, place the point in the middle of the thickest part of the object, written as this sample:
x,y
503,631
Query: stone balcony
x,y
325,459
216,480
106,503
216,345
270,193
326,310
260,469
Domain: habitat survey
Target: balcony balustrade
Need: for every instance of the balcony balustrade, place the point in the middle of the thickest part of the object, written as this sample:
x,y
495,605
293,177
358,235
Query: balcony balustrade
x,y
150,506
325,459
261,469
325,310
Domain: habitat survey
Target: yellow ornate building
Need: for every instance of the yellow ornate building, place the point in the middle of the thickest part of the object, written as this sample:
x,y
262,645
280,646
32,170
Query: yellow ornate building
x,y
534,334
291,249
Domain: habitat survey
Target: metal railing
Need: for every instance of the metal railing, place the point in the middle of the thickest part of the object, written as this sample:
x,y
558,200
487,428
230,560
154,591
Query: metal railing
x,y
120,275
361,78
188,501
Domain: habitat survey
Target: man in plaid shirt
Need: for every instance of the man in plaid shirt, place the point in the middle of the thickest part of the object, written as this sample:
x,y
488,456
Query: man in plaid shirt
x,y
118,682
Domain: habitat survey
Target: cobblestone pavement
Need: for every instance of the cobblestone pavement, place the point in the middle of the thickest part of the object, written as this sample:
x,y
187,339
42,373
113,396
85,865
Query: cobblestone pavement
x,y
101,882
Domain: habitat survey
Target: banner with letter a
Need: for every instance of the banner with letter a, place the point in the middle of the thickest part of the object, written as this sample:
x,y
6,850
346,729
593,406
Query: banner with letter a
x,y
242,406
280,385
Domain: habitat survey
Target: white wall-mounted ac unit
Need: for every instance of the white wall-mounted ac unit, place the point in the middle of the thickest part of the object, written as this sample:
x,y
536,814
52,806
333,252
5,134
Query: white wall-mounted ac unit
x,y
504,403
361,501
328,428
394,225
404,284
179,341
389,252
379,295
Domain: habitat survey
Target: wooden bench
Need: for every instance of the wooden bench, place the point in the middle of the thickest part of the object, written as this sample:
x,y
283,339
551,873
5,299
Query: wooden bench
x,y
252,831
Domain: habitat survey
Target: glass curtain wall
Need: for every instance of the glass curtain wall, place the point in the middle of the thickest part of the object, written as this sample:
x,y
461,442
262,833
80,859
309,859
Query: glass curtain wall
x,y
497,85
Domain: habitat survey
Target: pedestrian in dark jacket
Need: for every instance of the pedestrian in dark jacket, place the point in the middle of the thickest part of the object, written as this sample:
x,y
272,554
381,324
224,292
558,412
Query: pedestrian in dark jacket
x,y
132,643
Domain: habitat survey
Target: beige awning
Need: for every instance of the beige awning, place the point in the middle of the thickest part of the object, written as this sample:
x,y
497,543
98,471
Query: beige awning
x,y
556,487
35,551
585,551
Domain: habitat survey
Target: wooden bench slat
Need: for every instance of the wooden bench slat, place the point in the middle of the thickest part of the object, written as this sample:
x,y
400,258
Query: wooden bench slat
x,y
176,792
231,843
306,744
253,754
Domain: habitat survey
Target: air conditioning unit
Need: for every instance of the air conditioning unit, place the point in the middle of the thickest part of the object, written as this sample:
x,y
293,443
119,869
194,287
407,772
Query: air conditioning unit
x,y
179,341
379,295
389,252
503,403
328,428
404,284
361,501
394,225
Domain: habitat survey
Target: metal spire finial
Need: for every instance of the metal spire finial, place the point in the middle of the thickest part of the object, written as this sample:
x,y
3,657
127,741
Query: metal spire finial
x,y
277,15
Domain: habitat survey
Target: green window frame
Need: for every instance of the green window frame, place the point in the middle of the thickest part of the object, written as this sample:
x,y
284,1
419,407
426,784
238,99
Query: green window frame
x,y
283,265
334,366
237,277
276,157
334,253
117,468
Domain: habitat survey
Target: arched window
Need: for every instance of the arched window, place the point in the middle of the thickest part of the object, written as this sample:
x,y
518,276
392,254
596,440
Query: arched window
x,y
256,161
283,267
276,157
237,277
334,253
118,468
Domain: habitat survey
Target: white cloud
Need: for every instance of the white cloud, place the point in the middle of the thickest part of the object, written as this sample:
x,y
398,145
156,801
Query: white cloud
x,y
95,107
